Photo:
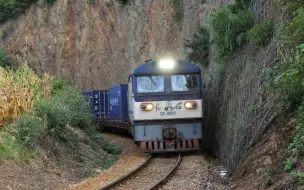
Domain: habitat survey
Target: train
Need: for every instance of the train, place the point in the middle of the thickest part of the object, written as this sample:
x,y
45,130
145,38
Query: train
x,y
161,106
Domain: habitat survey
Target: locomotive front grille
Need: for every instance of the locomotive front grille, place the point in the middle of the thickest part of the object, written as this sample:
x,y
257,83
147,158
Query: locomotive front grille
x,y
170,145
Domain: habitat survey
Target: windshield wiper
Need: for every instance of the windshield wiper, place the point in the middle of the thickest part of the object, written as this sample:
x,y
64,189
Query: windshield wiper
x,y
153,82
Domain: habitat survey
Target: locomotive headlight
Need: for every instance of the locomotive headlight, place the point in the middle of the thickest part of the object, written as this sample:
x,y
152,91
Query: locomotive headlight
x,y
146,106
190,105
166,64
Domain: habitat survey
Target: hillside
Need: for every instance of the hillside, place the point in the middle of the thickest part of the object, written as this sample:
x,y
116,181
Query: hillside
x,y
250,52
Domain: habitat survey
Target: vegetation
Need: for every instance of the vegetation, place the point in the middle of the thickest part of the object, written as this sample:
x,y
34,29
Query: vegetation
x,y
37,108
227,24
298,141
178,13
110,148
12,9
290,164
100,165
19,90
199,46
123,2
299,177
5,60
290,4
293,33
261,34
288,78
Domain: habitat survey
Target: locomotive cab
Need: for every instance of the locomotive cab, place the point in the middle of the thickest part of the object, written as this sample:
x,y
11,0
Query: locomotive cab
x,y
165,105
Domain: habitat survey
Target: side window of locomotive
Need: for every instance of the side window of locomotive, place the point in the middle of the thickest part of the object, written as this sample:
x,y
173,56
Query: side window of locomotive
x,y
184,82
148,84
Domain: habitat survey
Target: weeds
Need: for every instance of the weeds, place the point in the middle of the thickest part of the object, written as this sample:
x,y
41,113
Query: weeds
x,y
199,46
178,13
100,165
298,177
261,34
288,77
290,164
293,33
110,148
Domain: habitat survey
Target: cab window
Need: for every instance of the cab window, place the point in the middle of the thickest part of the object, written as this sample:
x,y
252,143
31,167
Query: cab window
x,y
149,84
182,83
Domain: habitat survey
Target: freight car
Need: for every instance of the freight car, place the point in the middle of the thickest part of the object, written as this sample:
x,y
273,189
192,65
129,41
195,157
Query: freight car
x,y
161,106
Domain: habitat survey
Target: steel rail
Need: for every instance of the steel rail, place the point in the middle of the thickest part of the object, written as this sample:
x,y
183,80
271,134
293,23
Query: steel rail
x,y
123,177
165,178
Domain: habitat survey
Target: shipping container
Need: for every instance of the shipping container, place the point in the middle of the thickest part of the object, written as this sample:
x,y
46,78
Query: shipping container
x,y
99,102
118,100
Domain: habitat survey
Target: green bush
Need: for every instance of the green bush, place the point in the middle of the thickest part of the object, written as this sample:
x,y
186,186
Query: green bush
x,y
19,140
67,106
178,13
59,84
199,46
289,78
261,34
290,164
28,130
293,32
110,148
5,60
226,24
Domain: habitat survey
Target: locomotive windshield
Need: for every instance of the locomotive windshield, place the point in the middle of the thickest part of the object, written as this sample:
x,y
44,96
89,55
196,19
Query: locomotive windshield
x,y
187,82
148,84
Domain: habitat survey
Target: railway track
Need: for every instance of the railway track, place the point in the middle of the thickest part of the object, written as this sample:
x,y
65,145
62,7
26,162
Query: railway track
x,y
150,175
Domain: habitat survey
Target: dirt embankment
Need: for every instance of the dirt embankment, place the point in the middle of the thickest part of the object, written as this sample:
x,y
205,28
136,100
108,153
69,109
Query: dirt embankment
x,y
263,167
57,165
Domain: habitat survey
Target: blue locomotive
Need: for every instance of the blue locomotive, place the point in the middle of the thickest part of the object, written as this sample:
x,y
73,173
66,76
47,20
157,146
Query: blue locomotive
x,y
161,106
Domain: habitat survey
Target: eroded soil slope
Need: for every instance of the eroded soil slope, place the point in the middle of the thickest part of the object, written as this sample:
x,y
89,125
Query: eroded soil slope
x,y
264,164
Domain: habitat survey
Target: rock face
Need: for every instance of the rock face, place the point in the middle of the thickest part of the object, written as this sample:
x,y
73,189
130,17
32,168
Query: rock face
x,y
96,45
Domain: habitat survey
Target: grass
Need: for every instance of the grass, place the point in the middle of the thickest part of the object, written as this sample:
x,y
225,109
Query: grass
x,y
100,165
110,148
